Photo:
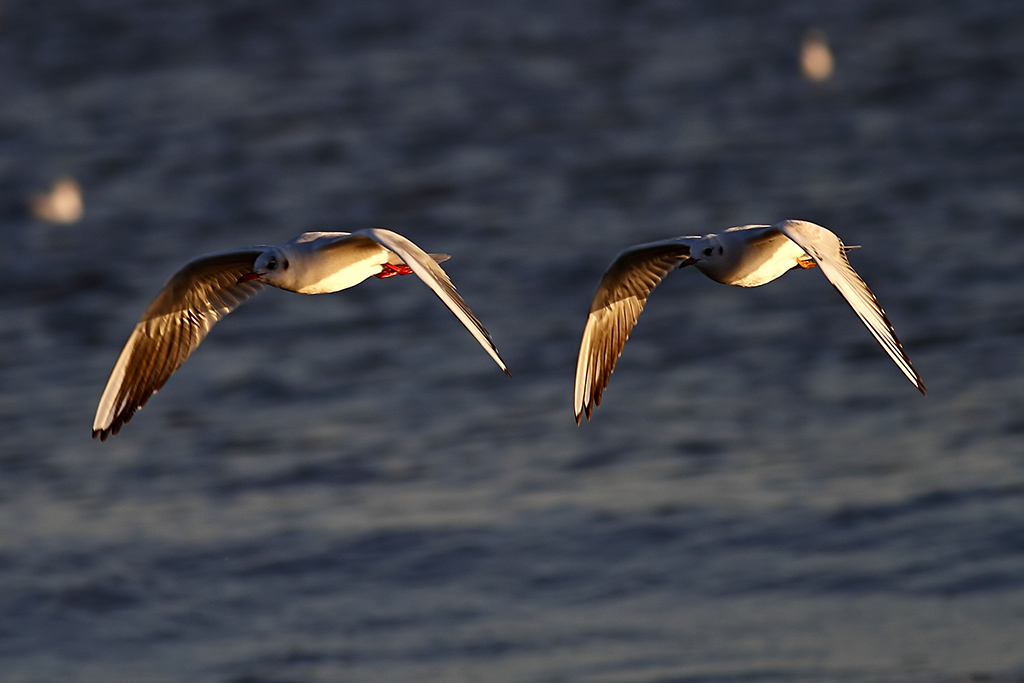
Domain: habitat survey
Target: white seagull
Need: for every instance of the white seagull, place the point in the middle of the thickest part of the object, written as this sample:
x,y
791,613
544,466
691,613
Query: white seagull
x,y
746,256
209,287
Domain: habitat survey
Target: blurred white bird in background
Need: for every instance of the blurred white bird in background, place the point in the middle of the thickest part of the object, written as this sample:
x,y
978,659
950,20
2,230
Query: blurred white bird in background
x,y
62,204
816,60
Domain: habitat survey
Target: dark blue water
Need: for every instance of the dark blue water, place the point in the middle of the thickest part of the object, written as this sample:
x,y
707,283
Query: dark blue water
x,y
345,488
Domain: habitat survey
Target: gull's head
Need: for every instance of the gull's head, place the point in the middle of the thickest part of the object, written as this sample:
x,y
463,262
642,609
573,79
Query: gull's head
x,y
714,256
706,253
270,267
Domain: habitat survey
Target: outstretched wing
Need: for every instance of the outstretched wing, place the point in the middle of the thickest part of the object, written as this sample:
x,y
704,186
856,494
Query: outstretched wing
x,y
426,267
829,253
617,304
181,315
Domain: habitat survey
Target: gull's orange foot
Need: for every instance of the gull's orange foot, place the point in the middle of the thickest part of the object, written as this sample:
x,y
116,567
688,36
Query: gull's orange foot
x,y
805,262
392,270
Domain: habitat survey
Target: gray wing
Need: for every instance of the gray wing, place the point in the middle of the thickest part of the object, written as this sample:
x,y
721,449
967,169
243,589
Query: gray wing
x,y
829,253
617,304
181,315
425,266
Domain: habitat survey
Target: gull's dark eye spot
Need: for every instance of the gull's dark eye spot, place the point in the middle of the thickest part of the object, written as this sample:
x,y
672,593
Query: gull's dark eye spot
x,y
707,252
271,264
285,264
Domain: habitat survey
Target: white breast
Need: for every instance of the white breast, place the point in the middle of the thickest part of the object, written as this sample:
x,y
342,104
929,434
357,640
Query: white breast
x,y
322,280
761,266
753,256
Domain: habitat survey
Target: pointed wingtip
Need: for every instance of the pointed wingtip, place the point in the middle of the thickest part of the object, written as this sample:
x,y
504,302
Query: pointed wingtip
x,y
104,433
586,409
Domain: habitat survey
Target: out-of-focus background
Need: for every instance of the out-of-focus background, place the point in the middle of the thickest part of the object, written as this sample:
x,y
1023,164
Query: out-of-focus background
x,y
346,488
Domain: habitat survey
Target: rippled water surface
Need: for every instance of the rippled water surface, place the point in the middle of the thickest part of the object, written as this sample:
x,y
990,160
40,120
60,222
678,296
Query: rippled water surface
x,y
345,487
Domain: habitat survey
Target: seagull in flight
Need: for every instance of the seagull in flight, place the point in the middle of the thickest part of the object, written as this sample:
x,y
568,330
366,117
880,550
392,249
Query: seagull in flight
x,y
209,287
745,256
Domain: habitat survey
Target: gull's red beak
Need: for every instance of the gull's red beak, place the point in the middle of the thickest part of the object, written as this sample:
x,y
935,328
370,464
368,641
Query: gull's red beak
x,y
247,277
